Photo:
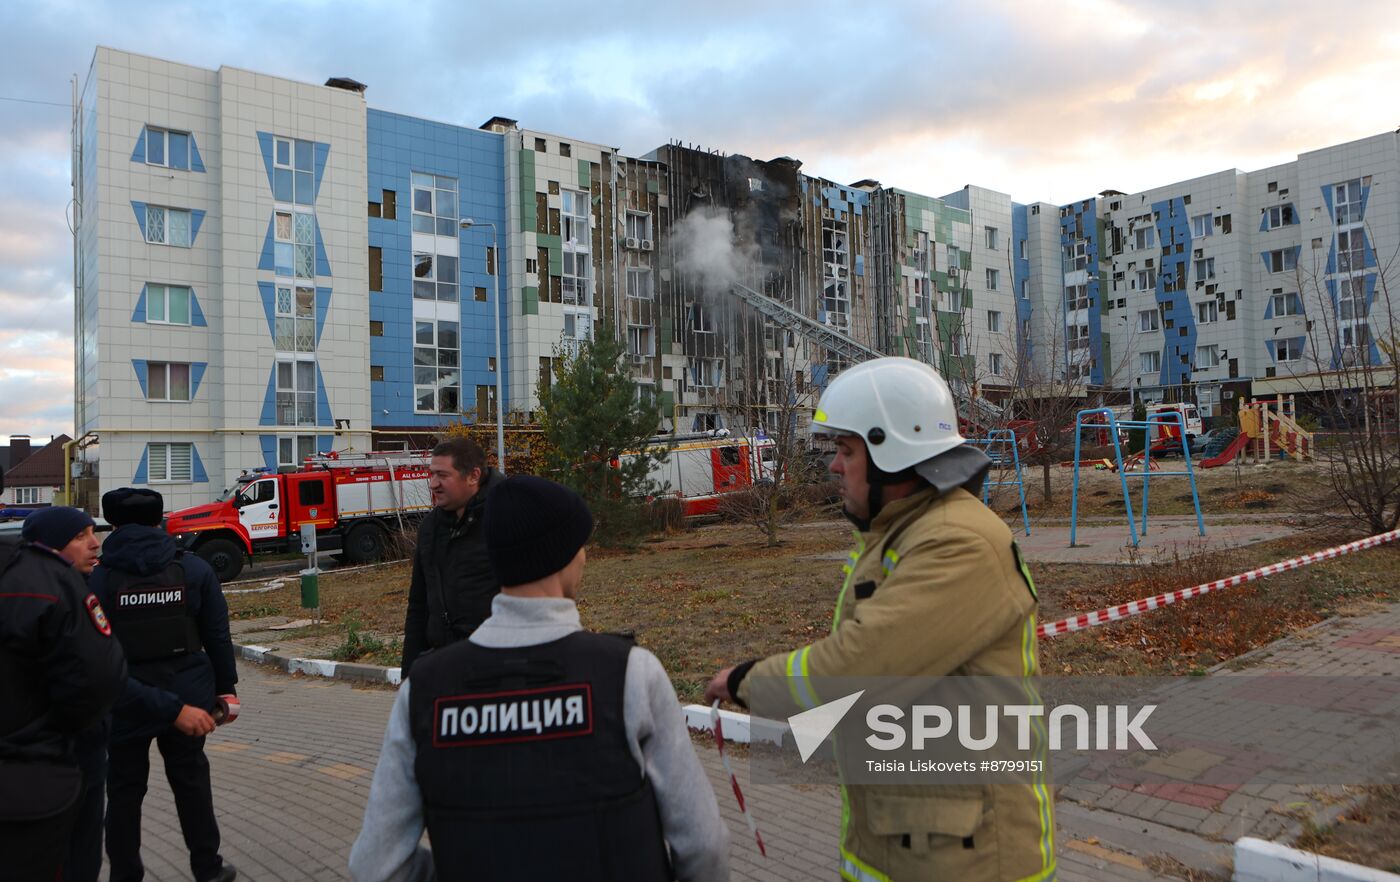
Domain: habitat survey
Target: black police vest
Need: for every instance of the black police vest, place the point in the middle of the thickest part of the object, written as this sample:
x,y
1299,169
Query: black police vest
x,y
152,615
524,768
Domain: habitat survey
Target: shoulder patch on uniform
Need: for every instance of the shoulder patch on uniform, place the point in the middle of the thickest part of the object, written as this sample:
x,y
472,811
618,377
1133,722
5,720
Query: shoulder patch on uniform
x,y
479,719
98,616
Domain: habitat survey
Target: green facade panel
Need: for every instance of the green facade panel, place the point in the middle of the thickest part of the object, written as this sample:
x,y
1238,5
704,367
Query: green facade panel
x,y
555,244
585,174
529,301
665,335
528,218
653,187
668,403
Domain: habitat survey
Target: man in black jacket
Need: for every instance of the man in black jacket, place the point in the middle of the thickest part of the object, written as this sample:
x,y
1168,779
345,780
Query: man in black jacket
x,y
453,582
60,672
168,611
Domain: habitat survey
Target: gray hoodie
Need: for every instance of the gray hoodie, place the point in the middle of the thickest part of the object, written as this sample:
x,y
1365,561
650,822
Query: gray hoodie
x,y
388,848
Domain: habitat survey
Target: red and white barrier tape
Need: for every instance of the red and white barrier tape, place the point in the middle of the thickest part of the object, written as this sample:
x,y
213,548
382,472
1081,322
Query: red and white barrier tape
x,y
734,781
1137,607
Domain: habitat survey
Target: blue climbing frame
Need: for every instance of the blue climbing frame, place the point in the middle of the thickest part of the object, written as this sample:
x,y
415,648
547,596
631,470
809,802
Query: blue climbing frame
x,y
1102,418
1000,445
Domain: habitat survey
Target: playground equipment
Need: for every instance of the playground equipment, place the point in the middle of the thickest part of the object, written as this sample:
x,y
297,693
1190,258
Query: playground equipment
x,y
1098,418
1001,448
1267,427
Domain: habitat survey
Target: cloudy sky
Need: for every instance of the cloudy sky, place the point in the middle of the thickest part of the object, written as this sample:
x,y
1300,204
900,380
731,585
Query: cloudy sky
x,y
1049,101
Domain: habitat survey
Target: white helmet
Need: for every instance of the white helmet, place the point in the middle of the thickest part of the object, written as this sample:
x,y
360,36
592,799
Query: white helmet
x,y
900,407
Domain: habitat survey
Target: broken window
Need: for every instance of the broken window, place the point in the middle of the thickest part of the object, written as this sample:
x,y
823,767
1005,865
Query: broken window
x,y
376,268
991,235
639,283
1281,216
434,204
436,366
1347,202
1205,268
1282,260
1351,250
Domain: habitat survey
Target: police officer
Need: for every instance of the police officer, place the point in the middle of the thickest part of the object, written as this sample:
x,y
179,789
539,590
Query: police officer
x,y
935,587
169,613
535,749
60,672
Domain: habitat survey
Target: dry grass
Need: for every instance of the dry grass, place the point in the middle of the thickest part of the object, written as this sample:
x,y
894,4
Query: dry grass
x,y
1368,834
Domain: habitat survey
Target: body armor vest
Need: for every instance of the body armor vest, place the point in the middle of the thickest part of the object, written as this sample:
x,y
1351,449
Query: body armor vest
x,y
152,615
524,766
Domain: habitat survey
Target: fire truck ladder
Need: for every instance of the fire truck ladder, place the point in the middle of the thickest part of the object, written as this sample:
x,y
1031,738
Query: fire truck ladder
x,y
386,459
977,410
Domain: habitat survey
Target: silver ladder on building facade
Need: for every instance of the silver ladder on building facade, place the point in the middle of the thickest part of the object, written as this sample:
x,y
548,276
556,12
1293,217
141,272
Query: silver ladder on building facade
x,y
976,410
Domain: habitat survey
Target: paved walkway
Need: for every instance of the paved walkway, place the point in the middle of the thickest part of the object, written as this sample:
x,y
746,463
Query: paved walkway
x,y
293,775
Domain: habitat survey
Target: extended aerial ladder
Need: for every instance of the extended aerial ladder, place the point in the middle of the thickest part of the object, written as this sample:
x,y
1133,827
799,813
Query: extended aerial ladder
x,y
978,411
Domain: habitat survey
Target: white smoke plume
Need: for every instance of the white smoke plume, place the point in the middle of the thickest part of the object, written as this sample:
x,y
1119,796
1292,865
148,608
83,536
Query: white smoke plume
x,y
707,252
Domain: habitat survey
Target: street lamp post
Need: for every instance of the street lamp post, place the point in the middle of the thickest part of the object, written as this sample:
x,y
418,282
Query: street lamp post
x,y
466,224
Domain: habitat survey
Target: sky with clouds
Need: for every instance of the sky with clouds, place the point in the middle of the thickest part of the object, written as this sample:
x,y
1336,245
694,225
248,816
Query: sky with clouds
x,y
1045,101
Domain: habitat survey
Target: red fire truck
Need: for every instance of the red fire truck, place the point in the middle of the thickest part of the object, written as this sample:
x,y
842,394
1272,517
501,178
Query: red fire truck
x,y
703,467
355,500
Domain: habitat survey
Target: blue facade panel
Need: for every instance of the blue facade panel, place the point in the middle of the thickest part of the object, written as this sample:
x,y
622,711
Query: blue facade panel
x,y
1020,275
398,146
1173,229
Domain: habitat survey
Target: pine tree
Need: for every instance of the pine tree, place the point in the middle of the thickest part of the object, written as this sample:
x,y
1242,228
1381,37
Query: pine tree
x,y
590,413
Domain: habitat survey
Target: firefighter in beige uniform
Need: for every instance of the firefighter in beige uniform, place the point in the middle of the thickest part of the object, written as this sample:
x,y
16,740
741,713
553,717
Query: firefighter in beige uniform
x,y
935,587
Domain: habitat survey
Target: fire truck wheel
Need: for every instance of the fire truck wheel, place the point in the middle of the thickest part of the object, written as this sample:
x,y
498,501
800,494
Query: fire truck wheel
x,y
224,557
365,544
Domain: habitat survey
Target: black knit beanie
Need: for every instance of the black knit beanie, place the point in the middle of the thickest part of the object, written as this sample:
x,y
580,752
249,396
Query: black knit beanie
x,y
533,528
55,527
133,505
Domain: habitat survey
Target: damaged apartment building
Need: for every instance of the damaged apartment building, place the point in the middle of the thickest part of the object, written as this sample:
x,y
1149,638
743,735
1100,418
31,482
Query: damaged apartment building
x,y
265,268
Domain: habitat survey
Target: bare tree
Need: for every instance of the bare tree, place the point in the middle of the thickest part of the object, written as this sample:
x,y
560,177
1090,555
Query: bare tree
x,y
788,470
1355,366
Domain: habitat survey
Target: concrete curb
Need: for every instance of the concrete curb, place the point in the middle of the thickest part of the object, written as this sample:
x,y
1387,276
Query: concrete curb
x,y
319,667
1259,861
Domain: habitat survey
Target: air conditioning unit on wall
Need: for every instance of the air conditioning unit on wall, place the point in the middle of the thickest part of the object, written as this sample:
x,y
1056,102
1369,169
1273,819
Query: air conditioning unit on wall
x,y
631,242
646,244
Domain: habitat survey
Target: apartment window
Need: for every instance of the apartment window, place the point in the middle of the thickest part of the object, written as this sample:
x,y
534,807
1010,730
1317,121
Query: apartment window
x,y
1076,297
435,277
639,341
1351,250
993,322
924,333
1077,255
1351,302
168,305
168,226
1150,362
574,219
390,210
541,146
1207,356
167,148
1142,237
1147,280
565,149
169,463
434,204
1021,250
1200,226
479,294
700,319
1205,268
706,373
296,392
294,449
376,328
992,237
1025,289
1281,216
294,244
1206,312
954,259
1287,304
959,345
993,278
1356,336
294,322
26,496
1077,337
1289,350
575,278
638,225
1346,200
1148,320
292,178
639,283
1282,260
437,382
994,363
167,381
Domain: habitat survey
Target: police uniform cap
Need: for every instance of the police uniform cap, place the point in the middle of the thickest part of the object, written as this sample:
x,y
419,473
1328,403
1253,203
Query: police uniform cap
x,y
133,505
56,526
